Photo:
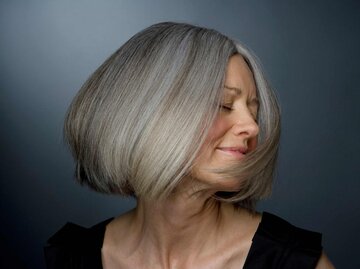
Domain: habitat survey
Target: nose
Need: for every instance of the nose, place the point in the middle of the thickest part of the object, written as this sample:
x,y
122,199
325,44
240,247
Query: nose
x,y
245,125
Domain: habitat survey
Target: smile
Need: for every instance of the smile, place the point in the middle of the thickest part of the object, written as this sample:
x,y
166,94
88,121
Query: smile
x,y
238,153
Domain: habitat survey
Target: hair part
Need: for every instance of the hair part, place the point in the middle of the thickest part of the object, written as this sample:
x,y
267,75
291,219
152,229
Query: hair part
x,y
137,124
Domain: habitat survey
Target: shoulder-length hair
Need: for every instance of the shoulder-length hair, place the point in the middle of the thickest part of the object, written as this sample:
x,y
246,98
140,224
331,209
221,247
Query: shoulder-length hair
x,y
137,124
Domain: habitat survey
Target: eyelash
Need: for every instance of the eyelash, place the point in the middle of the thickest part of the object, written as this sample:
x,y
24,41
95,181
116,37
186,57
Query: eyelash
x,y
226,107
229,108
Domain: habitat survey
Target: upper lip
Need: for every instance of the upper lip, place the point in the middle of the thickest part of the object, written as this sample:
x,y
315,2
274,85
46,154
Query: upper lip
x,y
241,149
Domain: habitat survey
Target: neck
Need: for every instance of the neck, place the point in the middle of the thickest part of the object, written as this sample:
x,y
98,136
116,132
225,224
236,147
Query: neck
x,y
183,231
178,220
181,228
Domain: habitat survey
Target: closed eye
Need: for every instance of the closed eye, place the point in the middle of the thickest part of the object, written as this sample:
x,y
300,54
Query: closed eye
x,y
226,107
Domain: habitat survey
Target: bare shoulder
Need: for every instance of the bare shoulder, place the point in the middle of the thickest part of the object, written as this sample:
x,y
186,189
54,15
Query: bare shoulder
x,y
324,263
117,232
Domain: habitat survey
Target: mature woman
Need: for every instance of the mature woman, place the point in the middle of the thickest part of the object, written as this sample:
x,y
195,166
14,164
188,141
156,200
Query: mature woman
x,y
181,118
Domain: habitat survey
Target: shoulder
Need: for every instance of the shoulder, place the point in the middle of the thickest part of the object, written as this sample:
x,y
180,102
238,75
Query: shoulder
x,y
284,245
74,244
73,234
283,232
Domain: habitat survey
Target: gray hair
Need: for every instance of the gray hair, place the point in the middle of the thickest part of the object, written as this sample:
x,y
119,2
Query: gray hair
x,y
137,124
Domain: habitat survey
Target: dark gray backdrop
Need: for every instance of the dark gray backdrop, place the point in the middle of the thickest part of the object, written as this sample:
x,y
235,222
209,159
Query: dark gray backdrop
x,y
310,50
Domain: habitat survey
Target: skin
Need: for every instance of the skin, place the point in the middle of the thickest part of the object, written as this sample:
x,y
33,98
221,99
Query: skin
x,y
190,229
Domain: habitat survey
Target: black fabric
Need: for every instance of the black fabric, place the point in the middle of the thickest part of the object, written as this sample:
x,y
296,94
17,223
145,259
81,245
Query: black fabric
x,y
276,244
76,247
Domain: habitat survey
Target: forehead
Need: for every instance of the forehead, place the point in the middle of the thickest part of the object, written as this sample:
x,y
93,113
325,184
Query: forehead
x,y
238,78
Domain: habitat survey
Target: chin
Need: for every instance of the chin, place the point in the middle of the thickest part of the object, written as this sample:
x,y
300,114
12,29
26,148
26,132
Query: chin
x,y
223,185
229,188
216,182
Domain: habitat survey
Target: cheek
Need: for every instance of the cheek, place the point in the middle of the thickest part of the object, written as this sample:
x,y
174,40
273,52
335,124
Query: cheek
x,y
217,130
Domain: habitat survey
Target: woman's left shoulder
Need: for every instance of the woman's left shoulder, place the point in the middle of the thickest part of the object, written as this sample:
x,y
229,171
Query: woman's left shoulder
x,y
282,231
279,244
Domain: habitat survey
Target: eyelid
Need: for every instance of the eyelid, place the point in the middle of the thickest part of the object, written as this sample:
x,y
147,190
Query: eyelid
x,y
226,106
229,107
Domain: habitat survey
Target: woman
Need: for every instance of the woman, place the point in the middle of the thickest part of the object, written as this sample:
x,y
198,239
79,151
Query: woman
x,y
181,118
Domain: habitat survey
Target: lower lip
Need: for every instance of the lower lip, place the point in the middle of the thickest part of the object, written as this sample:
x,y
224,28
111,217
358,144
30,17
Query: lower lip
x,y
234,153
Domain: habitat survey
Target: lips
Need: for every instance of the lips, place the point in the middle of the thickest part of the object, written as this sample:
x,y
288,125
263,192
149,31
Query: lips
x,y
237,152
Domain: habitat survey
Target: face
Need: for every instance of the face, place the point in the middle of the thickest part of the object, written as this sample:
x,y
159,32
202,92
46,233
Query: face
x,y
234,132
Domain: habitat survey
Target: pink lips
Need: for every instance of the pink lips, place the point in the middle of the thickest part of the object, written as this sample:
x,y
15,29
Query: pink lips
x,y
237,152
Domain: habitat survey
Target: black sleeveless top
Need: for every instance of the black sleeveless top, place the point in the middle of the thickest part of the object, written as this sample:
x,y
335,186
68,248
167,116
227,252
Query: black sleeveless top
x,y
276,244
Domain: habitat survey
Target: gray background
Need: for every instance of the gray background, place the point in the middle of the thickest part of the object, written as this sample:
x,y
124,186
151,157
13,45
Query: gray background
x,y
310,50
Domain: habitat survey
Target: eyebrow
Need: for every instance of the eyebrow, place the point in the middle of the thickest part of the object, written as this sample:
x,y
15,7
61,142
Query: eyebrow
x,y
237,90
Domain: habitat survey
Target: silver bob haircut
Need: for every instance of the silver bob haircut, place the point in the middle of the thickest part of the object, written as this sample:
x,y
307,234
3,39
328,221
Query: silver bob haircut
x,y
137,124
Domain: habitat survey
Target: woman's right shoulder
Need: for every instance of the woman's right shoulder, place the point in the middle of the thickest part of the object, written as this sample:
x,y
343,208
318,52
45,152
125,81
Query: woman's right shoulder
x,y
73,246
74,235
69,234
